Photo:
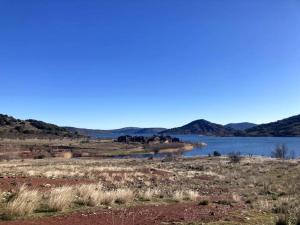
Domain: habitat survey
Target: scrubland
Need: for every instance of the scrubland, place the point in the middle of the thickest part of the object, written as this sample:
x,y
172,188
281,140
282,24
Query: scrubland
x,y
211,190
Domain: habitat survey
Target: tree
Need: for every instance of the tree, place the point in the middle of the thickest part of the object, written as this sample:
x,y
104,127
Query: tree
x,y
280,152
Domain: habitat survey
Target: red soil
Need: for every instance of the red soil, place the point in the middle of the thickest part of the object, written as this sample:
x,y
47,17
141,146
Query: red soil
x,y
143,215
12,183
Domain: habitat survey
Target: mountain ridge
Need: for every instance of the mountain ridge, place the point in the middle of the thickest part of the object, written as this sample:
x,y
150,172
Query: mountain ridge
x,y
16,128
201,127
240,126
288,127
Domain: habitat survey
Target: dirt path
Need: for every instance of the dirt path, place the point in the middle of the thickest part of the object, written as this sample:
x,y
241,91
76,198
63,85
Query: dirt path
x,y
144,215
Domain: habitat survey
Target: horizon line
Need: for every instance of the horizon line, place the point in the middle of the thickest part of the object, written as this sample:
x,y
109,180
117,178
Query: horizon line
x,y
141,127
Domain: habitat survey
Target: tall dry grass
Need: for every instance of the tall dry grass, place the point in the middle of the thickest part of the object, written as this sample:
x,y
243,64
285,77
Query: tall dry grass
x,y
25,202
191,195
89,194
60,199
123,196
178,196
93,195
188,195
149,194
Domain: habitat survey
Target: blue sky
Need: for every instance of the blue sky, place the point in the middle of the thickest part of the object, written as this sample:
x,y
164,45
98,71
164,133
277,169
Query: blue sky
x,y
149,63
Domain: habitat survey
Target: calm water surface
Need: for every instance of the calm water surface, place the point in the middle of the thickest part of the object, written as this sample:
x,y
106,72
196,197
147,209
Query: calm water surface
x,y
246,145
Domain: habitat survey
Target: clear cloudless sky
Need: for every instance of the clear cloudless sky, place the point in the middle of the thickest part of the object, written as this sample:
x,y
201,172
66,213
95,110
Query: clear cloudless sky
x,y
149,63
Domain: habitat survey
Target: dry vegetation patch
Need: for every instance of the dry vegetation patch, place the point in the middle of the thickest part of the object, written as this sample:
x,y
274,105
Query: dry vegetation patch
x,y
24,202
256,184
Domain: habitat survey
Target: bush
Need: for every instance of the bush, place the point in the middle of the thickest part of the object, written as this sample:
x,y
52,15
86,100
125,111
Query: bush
x,y
282,221
216,154
169,157
204,202
235,157
280,152
40,156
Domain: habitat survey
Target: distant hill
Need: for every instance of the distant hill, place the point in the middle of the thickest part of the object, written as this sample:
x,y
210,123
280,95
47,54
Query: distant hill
x,y
137,130
150,130
240,126
127,130
201,127
289,127
11,127
86,132
15,128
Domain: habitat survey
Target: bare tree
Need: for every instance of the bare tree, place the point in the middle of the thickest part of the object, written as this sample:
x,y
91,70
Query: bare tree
x,y
280,152
235,157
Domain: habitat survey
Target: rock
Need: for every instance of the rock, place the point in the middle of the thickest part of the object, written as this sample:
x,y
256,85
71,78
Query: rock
x,y
46,185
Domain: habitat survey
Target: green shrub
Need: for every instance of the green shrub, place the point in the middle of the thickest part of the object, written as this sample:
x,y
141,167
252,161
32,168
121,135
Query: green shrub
x,y
216,154
204,202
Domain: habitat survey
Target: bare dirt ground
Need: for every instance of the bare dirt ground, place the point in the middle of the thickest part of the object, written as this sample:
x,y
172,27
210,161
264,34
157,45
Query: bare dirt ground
x,y
145,215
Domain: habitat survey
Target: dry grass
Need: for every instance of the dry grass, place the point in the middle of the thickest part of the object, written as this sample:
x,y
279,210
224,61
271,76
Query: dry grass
x,y
93,195
60,199
178,196
188,195
123,196
264,185
149,194
191,195
25,202
106,198
62,169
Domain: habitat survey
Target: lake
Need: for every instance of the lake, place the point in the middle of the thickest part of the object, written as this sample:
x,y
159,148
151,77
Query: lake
x,y
262,146
246,145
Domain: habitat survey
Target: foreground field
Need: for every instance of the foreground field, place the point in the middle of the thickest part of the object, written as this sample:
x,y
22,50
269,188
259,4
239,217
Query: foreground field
x,y
137,191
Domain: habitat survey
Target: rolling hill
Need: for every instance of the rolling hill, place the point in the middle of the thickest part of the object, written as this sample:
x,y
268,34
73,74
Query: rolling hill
x,y
15,128
289,127
201,127
11,127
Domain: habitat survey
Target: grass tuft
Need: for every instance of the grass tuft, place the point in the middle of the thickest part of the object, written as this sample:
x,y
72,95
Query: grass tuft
x,y
123,196
24,203
60,199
